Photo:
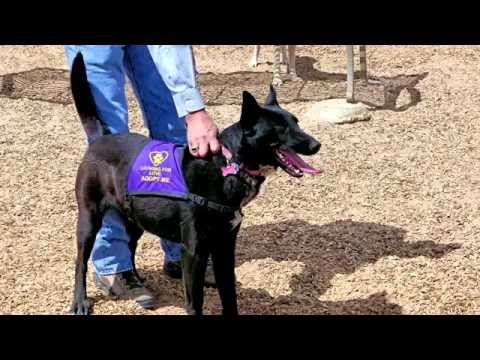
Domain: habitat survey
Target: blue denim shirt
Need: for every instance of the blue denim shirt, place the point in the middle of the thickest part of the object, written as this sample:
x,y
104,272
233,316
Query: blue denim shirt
x,y
176,65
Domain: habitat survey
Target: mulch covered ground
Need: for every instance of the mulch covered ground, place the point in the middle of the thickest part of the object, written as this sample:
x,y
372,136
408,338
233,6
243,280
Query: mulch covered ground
x,y
392,227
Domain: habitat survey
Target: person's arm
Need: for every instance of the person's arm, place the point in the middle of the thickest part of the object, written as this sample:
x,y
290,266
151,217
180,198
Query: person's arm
x,y
176,66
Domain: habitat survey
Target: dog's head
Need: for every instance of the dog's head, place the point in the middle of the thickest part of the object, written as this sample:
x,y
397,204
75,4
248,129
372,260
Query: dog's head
x,y
274,136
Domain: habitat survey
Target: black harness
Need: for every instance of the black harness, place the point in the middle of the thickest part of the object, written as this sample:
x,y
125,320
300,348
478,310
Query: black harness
x,y
203,201
231,168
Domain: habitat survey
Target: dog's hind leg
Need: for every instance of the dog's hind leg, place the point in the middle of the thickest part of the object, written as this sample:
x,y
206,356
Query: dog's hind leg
x,y
135,233
88,225
223,255
277,78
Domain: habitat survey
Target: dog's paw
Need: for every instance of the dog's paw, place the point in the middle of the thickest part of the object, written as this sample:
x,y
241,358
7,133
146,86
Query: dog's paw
x,y
82,307
230,312
277,81
193,312
253,63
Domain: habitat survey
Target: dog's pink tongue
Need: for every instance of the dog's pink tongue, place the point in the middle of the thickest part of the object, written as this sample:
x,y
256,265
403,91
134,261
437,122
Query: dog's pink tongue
x,y
299,162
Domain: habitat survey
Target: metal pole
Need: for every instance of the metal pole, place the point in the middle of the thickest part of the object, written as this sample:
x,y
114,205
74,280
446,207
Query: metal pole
x,y
363,63
350,80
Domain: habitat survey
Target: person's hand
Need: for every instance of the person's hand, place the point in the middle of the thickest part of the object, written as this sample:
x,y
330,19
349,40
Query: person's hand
x,y
202,134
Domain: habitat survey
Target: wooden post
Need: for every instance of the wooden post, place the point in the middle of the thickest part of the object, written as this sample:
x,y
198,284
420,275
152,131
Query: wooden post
x,y
350,73
363,63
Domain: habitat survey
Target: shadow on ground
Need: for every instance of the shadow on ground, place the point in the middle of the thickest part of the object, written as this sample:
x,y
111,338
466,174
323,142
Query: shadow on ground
x,y
341,247
381,93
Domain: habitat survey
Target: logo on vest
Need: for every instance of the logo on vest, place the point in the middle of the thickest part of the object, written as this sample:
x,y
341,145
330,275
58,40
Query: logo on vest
x,y
157,169
158,157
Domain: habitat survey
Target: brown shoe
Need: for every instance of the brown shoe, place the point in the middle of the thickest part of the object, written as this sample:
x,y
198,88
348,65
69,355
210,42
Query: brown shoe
x,y
125,285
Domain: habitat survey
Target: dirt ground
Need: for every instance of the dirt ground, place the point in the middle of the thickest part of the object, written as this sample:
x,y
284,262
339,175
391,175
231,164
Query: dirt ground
x,y
392,226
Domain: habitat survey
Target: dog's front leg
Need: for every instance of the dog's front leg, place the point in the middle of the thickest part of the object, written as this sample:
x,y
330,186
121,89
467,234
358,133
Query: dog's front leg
x,y
193,267
87,227
194,263
283,55
223,256
254,59
292,67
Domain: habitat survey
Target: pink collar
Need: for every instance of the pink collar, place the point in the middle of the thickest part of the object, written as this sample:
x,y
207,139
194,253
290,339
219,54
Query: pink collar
x,y
233,168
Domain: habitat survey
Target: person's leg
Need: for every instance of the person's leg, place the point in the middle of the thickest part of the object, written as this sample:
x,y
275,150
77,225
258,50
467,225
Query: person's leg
x,y
161,119
110,254
104,65
163,122
112,261
156,101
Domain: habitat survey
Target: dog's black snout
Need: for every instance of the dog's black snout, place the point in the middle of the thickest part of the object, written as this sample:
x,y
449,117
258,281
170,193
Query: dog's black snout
x,y
314,146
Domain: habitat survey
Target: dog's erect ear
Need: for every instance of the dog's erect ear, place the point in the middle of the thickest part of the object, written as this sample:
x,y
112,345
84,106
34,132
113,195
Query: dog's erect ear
x,y
272,97
250,110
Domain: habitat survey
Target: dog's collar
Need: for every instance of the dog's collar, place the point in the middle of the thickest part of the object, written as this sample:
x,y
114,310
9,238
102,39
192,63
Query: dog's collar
x,y
232,168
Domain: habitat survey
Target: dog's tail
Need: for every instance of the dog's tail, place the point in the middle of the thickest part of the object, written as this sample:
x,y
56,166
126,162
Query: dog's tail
x,y
84,102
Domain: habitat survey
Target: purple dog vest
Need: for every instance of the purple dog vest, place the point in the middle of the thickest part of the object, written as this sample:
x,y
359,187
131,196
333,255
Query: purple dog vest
x,y
157,170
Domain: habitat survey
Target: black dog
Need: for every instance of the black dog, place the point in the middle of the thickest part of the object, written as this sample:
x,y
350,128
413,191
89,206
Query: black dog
x,y
265,138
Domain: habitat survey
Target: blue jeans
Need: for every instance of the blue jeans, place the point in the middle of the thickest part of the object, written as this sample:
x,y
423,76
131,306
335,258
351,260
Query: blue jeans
x,y
106,67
